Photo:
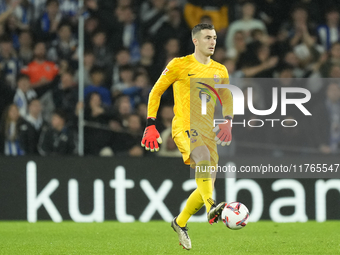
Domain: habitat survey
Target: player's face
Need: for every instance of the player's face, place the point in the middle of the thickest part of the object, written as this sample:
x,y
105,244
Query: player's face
x,y
206,42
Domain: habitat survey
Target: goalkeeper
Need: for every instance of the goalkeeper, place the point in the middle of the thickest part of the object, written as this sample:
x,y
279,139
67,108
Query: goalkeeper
x,y
193,132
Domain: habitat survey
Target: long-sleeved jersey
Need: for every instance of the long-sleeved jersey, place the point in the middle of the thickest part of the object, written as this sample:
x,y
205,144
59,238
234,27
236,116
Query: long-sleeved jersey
x,y
190,80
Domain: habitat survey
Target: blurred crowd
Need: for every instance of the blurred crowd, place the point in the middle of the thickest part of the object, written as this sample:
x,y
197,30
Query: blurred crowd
x,y
127,45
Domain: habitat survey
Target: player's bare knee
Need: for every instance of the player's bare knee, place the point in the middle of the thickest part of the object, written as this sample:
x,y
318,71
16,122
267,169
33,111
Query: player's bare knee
x,y
201,153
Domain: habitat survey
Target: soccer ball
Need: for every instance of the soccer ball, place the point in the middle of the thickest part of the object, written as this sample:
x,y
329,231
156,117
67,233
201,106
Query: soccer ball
x,y
235,215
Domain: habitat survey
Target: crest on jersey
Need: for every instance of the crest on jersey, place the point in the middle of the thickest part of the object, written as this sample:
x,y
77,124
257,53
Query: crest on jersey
x,y
193,140
207,92
216,78
207,89
165,71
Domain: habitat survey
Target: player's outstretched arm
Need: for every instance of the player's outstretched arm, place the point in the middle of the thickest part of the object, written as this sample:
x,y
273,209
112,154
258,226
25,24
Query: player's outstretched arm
x,y
224,136
151,137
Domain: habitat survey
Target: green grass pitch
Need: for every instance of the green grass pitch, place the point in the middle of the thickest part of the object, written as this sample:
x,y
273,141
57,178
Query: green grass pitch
x,y
157,237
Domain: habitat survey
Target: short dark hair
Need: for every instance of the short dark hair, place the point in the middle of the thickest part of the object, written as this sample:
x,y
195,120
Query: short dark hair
x,y
22,76
48,2
61,113
39,42
126,68
99,31
64,23
97,69
33,100
5,39
200,27
249,2
332,8
284,67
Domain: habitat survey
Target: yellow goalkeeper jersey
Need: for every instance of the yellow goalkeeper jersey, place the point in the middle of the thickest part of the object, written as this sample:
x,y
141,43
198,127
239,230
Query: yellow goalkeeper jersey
x,y
190,80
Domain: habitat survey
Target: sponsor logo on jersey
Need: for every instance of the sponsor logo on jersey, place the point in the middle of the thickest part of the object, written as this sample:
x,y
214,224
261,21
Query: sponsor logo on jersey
x,y
216,78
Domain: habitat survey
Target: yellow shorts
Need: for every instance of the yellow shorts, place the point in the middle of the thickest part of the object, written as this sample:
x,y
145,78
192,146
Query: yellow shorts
x,y
187,142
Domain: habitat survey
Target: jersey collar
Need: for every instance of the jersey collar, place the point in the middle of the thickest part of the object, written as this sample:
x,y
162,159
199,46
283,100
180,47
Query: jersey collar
x,y
193,57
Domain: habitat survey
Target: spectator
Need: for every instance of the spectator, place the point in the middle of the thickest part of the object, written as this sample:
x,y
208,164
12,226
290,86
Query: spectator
x,y
10,132
64,47
153,16
240,46
140,90
234,74
103,55
122,58
91,25
246,24
301,34
261,65
25,51
69,8
9,63
98,78
168,147
128,31
57,139
2,30
97,116
39,7
272,12
129,143
142,111
13,28
333,59
40,71
7,94
329,33
65,95
89,60
257,35
218,11
122,109
176,26
148,62
25,13
326,121
313,8
219,54
171,50
126,76
166,116
334,71
47,25
290,58
24,94
7,8
31,129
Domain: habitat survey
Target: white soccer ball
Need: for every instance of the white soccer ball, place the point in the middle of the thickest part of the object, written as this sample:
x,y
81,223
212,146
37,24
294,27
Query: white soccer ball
x,y
235,215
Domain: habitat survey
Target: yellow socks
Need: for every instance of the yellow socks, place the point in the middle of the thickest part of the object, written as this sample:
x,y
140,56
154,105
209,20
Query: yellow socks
x,y
194,203
201,195
204,183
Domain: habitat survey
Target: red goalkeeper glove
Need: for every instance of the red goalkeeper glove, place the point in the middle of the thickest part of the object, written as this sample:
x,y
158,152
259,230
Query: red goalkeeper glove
x,y
224,136
151,137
